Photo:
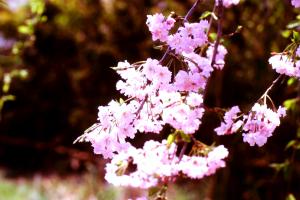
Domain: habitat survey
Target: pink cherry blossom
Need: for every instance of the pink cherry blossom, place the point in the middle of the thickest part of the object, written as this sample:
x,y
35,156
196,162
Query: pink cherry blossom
x,y
228,3
260,124
194,99
185,81
215,159
157,162
154,162
157,96
296,3
159,26
285,65
230,124
220,56
298,50
198,64
189,37
194,167
108,136
156,73
197,167
257,126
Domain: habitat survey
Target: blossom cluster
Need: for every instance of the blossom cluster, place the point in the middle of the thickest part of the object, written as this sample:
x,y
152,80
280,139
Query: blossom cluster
x,y
283,64
186,39
296,3
160,26
261,123
257,126
230,124
157,97
220,56
157,162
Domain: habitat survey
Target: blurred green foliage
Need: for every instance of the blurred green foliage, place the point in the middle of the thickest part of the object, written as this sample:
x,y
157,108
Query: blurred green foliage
x,y
53,187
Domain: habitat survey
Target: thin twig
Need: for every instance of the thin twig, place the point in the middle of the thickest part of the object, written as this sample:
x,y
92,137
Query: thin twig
x,y
183,151
191,11
219,32
271,86
141,107
211,20
165,55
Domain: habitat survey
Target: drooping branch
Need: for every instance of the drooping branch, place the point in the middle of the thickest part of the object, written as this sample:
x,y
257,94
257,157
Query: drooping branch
x,y
265,95
272,85
191,11
220,9
183,150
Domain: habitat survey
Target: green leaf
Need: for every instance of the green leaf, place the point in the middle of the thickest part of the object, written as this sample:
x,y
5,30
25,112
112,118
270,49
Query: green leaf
x,y
23,73
291,81
43,19
280,166
290,144
185,137
37,6
25,30
5,98
121,101
296,36
213,36
16,49
287,171
205,14
5,87
286,33
9,98
290,104
290,197
171,139
122,167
